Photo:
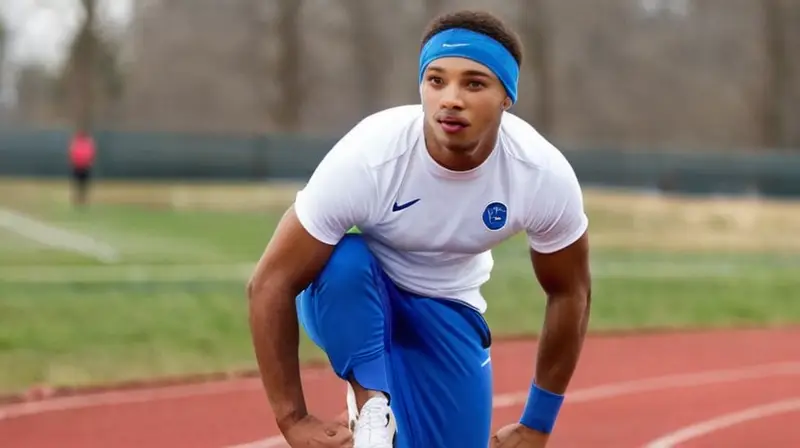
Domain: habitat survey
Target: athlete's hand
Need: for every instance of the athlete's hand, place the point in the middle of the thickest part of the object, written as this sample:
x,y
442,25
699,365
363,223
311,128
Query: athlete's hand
x,y
518,436
312,432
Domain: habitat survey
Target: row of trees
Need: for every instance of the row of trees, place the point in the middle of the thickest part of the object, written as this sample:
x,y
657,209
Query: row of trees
x,y
90,77
256,66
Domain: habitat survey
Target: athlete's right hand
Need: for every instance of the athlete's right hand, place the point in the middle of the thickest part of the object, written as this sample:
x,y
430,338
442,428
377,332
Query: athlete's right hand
x,y
312,432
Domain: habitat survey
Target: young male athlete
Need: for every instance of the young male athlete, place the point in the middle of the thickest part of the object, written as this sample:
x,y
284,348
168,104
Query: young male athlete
x,y
398,308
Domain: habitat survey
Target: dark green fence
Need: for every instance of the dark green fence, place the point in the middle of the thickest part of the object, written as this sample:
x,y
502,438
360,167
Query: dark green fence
x,y
179,156
166,156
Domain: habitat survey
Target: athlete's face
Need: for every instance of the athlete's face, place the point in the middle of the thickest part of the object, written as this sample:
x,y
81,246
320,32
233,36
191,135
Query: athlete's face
x,y
463,102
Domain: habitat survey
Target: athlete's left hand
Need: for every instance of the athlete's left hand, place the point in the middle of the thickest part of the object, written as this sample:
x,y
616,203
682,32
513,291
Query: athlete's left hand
x,y
518,436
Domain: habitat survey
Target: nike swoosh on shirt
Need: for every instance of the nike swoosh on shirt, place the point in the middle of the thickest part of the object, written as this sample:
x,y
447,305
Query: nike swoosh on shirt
x,y
397,207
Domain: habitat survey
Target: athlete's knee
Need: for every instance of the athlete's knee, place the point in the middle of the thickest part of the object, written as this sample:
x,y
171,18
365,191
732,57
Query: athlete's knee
x,y
350,289
345,313
350,267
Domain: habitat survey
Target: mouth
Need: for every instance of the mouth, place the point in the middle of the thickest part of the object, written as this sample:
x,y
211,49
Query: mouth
x,y
453,125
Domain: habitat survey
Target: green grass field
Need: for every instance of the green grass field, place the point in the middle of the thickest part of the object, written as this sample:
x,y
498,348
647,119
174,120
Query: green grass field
x,y
149,281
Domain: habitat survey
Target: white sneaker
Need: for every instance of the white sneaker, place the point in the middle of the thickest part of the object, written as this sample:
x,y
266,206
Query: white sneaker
x,y
374,426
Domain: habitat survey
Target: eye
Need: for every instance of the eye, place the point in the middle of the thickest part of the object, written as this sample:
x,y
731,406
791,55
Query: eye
x,y
476,85
435,80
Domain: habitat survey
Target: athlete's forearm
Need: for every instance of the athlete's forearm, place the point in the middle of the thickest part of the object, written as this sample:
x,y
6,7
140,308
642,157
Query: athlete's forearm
x,y
563,332
275,333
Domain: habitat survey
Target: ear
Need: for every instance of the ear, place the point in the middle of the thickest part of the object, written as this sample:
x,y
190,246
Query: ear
x,y
507,104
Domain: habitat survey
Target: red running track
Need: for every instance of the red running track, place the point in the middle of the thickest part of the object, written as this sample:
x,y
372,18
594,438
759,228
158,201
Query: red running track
x,y
731,388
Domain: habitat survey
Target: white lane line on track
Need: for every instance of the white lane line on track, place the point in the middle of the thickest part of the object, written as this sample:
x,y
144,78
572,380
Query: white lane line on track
x,y
134,396
723,421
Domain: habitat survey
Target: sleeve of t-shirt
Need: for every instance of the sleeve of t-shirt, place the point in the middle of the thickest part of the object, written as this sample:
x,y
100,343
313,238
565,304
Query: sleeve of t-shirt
x,y
557,218
339,194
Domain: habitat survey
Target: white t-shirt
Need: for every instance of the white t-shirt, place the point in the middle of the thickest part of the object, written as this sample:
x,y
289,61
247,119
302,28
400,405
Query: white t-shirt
x,y
432,229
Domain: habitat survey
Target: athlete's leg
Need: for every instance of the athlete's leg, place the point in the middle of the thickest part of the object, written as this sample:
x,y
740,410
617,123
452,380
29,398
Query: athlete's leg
x,y
344,311
439,382
441,375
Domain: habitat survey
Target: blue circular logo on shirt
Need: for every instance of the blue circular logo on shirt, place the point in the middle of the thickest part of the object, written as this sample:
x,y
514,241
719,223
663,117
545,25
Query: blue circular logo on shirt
x,y
494,216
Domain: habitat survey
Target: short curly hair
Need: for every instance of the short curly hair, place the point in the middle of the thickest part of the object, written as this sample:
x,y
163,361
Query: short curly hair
x,y
479,22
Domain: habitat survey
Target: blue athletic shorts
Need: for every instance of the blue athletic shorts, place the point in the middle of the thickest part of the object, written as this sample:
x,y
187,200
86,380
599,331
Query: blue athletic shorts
x,y
430,356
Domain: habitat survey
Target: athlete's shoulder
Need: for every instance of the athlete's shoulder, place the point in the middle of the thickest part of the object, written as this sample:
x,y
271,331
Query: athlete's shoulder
x,y
384,135
524,144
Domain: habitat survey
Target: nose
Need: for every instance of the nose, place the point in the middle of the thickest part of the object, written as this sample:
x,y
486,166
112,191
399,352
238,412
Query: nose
x,y
451,97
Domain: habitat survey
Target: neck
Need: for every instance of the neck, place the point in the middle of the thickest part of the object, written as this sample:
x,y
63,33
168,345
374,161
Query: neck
x,y
460,158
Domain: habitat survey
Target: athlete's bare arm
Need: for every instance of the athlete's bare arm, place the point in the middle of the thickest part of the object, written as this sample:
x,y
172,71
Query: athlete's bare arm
x,y
291,260
565,278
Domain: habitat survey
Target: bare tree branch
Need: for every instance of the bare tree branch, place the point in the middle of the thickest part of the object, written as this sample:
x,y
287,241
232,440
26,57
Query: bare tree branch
x,y
776,78
367,48
288,113
535,30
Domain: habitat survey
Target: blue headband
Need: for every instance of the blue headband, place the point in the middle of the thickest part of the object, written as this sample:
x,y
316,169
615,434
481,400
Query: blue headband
x,y
463,43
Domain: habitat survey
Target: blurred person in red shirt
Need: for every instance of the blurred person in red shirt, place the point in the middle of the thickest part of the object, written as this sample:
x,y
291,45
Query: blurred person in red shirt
x,y
81,158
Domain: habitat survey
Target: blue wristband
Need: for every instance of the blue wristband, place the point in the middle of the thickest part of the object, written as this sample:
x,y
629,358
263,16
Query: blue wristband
x,y
541,410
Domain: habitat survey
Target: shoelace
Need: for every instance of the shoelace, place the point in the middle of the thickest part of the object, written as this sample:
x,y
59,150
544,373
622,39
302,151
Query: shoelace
x,y
374,416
